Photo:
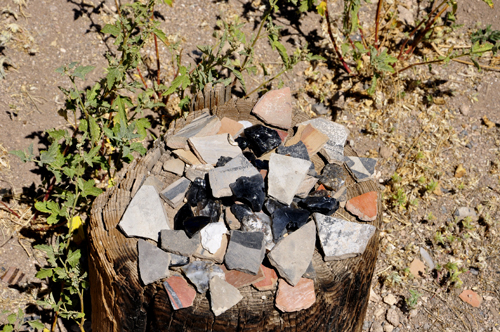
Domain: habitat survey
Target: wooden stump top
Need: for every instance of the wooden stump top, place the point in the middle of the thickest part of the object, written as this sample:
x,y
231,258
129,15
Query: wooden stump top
x,y
121,303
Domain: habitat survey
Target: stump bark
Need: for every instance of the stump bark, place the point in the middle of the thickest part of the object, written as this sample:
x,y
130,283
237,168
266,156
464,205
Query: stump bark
x,y
121,303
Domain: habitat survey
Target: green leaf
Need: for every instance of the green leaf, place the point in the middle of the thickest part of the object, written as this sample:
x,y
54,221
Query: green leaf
x,y
42,207
82,71
57,134
74,257
372,88
89,189
44,273
321,8
60,272
114,75
181,80
111,29
138,147
489,3
143,123
11,318
8,328
282,51
36,325
95,131
83,125
169,2
161,35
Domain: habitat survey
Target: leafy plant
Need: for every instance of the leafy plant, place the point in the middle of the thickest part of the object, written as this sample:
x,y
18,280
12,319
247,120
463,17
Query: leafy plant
x,y
412,300
16,322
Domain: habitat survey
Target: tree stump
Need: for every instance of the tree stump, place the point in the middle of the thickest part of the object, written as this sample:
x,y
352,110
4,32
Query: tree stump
x,y
121,303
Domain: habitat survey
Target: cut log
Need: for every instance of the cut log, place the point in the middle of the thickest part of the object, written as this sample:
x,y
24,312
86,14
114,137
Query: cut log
x,y
121,303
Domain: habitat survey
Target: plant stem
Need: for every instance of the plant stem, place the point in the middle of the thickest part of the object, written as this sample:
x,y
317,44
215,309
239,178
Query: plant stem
x,y
10,210
377,21
266,82
337,51
142,78
157,64
118,8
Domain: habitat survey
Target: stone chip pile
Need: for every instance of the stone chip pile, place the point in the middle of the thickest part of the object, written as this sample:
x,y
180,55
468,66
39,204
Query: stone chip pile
x,y
243,193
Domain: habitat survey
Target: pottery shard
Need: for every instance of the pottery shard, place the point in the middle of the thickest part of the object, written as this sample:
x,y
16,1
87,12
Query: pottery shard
x,y
364,206
231,127
223,296
180,293
210,148
471,297
295,298
269,281
222,177
275,108
285,177
241,279
153,262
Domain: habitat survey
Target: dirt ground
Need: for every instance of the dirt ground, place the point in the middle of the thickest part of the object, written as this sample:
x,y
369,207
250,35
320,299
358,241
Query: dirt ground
x,y
439,125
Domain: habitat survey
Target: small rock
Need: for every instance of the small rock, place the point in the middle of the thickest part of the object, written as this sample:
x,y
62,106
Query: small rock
x,y
417,268
198,171
460,171
322,204
377,327
361,168
223,296
379,312
388,328
174,194
153,262
197,192
463,212
427,258
295,298
364,206
341,239
180,293
218,257
259,222
174,165
471,297
366,325
390,299
275,108
240,279
245,251
405,16
333,150
320,109
385,152
374,297
145,216
210,148
211,236
201,272
269,281
392,317
293,254
465,109
285,176
413,313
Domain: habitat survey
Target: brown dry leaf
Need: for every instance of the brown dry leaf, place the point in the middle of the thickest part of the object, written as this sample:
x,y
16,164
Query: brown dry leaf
x,y
460,171
438,191
488,123
439,101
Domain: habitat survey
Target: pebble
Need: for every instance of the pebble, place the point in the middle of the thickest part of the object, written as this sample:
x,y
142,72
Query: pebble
x,y
413,313
390,299
392,317
465,109
377,327
388,328
366,325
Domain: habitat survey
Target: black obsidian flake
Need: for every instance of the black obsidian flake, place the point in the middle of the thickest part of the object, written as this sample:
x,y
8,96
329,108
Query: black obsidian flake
x,y
195,224
250,190
242,142
287,219
209,208
183,214
333,176
272,205
197,192
262,139
298,150
322,204
240,211
223,161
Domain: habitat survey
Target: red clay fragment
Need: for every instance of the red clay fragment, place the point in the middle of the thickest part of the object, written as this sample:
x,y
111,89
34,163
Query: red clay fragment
x,y
269,281
180,293
364,206
295,298
240,279
471,297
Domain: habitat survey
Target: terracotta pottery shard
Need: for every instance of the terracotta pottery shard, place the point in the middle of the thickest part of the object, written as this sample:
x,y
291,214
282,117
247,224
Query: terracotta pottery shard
x,y
364,206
